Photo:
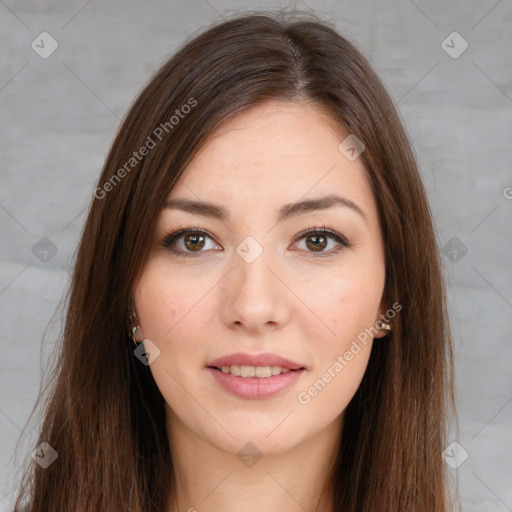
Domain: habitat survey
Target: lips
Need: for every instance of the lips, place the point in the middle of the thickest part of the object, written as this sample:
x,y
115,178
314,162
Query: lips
x,y
265,359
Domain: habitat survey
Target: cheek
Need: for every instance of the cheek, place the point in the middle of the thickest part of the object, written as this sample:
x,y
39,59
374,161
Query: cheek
x,y
342,304
172,316
167,304
348,303
340,353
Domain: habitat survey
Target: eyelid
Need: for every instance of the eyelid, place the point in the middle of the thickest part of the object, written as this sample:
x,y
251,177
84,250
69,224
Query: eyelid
x,y
330,233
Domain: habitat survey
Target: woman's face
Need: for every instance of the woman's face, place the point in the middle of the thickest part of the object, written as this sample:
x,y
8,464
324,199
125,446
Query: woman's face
x,y
257,285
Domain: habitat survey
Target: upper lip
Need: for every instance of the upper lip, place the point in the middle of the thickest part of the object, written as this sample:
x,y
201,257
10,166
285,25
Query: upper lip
x,y
266,359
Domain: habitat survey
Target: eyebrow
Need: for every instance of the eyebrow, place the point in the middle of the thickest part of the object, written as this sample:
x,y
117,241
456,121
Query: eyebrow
x,y
285,212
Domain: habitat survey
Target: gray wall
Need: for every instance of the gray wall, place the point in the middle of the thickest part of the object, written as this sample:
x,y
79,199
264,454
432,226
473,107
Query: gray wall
x,y
59,116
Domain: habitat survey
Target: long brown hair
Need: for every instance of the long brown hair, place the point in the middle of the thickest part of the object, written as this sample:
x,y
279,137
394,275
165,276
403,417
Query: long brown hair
x,y
105,415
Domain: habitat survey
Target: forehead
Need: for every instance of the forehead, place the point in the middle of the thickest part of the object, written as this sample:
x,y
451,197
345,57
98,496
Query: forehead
x,y
272,154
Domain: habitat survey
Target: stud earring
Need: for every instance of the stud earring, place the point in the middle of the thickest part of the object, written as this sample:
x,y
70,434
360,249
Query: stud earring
x,y
135,333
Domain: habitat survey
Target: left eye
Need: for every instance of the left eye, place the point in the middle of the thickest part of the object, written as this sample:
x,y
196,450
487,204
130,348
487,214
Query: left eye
x,y
190,241
317,240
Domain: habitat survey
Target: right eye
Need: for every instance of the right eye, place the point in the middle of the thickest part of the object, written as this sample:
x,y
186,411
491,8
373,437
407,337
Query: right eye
x,y
188,241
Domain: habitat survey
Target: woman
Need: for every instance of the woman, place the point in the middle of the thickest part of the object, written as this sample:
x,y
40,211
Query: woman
x,y
257,314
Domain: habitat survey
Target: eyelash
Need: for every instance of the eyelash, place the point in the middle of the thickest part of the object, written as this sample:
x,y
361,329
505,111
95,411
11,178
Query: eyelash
x,y
329,233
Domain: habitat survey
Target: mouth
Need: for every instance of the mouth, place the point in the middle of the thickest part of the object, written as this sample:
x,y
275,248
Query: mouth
x,y
254,382
260,372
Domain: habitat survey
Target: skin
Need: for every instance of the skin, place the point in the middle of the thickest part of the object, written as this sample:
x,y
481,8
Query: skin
x,y
305,308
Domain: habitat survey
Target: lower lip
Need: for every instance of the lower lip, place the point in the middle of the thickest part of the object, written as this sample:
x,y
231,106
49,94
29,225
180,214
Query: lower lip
x,y
255,388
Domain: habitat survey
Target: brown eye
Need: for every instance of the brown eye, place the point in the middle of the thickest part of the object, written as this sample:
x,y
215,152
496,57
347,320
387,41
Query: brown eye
x,y
316,242
194,242
188,242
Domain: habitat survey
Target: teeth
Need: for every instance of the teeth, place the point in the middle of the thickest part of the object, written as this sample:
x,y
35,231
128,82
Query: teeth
x,y
247,371
263,371
254,371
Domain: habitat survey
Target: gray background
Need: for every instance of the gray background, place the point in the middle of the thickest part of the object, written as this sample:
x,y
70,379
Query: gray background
x,y
60,114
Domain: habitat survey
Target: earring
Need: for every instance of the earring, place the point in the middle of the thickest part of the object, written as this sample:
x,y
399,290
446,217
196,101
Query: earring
x,y
386,327
136,330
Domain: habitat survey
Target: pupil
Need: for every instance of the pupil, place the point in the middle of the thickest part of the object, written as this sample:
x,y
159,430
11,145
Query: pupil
x,y
316,245
195,242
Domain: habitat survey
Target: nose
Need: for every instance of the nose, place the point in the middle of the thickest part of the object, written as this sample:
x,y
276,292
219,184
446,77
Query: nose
x,y
255,296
